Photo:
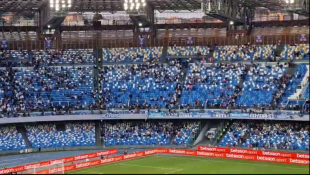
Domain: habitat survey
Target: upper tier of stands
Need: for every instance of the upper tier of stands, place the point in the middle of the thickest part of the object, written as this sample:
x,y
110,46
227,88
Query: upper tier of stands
x,y
242,52
151,84
211,84
268,135
46,89
149,133
295,86
140,54
70,56
260,85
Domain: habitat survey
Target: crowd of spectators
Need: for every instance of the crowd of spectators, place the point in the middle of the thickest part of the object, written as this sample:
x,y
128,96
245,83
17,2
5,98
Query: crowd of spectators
x,y
260,85
144,86
74,134
268,135
18,58
46,88
149,133
212,84
11,139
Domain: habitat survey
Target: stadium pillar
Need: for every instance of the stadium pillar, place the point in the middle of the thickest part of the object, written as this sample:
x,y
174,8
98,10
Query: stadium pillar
x,y
44,14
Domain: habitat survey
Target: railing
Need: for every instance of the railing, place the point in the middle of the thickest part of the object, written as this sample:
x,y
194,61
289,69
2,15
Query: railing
x,y
96,42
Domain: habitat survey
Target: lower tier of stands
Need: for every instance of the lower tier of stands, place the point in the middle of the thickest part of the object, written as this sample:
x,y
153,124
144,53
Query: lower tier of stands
x,y
268,135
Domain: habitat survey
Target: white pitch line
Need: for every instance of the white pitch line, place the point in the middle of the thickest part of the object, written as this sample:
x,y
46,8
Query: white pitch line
x,y
223,161
172,172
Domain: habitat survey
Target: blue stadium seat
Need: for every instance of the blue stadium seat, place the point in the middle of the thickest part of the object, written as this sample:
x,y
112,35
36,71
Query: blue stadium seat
x,y
10,139
47,136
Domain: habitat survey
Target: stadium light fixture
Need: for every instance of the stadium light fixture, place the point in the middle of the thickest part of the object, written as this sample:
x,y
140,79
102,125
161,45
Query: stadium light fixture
x,y
231,22
60,5
134,5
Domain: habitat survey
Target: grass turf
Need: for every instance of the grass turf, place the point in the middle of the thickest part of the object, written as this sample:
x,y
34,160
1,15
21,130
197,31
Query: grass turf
x,y
192,165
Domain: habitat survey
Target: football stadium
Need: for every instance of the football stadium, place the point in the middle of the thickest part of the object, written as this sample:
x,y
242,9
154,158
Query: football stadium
x,y
154,87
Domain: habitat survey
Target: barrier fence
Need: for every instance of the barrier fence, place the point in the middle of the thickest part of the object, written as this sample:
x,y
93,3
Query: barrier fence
x,y
95,41
217,152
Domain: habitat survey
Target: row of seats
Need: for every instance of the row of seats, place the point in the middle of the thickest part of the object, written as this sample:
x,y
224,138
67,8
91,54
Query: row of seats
x,y
10,139
69,56
210,84
153,84
145,54
294,83
48,88
242,52
131,54
149,133
47,135
276,135
260,84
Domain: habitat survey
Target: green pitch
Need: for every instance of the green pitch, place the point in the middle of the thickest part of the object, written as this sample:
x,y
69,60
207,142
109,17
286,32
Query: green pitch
x,y
192,165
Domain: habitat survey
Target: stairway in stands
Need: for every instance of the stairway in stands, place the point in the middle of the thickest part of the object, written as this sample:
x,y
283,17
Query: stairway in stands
x,y
291,71
165,47
98,134
21,129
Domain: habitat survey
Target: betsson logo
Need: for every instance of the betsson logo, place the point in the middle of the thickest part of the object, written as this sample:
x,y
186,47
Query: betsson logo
x,y
55,170
82,165
299,161
57,161
200,153
81,157
263,158
212,149
302,156
235,156
150,152
108,160
176,151
31,166
128,156
268,153
243,151
103,153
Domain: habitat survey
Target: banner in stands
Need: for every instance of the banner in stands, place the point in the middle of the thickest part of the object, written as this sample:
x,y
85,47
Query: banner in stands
x,y
259,39
57,161
189,40
266,156
124,116
303,37
276,115
48,43
4,44
141,41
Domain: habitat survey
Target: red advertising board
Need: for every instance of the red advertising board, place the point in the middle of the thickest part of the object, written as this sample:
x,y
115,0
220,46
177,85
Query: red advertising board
x,y
56,161
254,152
253,155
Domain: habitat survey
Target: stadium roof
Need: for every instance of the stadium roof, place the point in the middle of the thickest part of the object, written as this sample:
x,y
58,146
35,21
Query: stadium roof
x,y
117,5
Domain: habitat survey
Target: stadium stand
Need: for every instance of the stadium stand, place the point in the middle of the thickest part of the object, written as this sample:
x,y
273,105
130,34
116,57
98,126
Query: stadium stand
x,y
10,139
295,85
295,52
212,84
47,136
243,52
149,133
147,84
140,54
260,84
277,135
52,87
70,56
